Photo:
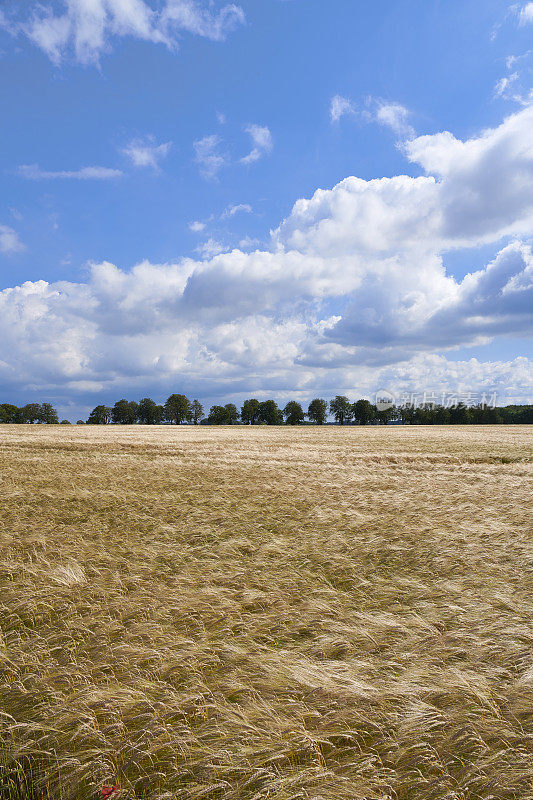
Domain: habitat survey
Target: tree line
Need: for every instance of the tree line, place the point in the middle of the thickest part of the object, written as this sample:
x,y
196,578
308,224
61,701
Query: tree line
x,y
178,409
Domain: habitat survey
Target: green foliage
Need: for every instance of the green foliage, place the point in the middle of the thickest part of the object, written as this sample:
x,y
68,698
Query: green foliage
x,y
250,411
269,414
385,415
521,415
178,409
232,413
341,408
364,412
197,411
125,412
318,411
101,415
217,416
9,413
48,414
149,412
223,415
293,413
31,413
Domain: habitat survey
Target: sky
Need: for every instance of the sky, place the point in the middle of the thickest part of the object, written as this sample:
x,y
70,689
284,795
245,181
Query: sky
x,y
268,198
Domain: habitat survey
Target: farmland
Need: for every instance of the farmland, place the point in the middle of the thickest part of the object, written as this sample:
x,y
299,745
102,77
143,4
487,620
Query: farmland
x,y
241,613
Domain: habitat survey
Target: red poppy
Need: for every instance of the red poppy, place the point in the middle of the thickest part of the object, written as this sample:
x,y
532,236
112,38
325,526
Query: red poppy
x,y
108,791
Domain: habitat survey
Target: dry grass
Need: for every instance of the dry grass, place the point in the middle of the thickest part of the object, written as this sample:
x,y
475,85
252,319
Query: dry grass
x,y
266,613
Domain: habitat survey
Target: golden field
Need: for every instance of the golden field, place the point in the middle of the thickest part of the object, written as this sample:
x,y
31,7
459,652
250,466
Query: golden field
x,y
247,613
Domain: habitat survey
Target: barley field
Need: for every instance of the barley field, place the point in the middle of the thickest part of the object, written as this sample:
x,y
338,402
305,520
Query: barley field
x,y
245,613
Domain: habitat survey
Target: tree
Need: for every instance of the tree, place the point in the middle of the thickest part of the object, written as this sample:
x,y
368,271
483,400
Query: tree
x,y
407,413
341,409
460,414
101,415
364,412
197,411
149,412
293,413
442,415
48,414
9,413
125,412
218,415
250,411
269,413
65,422
318,411
30,412
485,415
385,415
232,413
178,409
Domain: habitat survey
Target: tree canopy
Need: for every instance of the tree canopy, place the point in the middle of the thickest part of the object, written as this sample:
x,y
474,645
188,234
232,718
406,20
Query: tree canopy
x,y
341,408
178,409
293,413
318,411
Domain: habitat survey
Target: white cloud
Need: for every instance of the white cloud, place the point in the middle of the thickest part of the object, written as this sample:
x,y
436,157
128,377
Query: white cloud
x,y
248,242
9,240
340,106
237,208
261,141
486,183
395,117
210,248
370,250
188,15
209,156
145,153
34,172
85,29
389,114
196,226
503,85
526,14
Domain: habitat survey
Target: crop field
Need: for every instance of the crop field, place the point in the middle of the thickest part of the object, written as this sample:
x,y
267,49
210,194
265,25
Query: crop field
x,y
244,613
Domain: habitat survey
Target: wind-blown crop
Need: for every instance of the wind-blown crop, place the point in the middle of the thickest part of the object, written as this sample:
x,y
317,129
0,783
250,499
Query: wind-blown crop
x,y
247,613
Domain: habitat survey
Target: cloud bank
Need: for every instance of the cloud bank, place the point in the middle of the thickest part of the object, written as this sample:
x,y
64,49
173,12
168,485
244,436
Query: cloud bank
x,y
352,291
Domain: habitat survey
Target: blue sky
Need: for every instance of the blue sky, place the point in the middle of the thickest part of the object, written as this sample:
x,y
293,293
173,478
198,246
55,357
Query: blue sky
x,y
178,135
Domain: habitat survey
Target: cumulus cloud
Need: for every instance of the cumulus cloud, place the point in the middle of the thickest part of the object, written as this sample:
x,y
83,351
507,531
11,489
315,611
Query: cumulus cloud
x,y
85,30
261,141
34,172
371,250
485,188
339,107
9,240
146,153
196,226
